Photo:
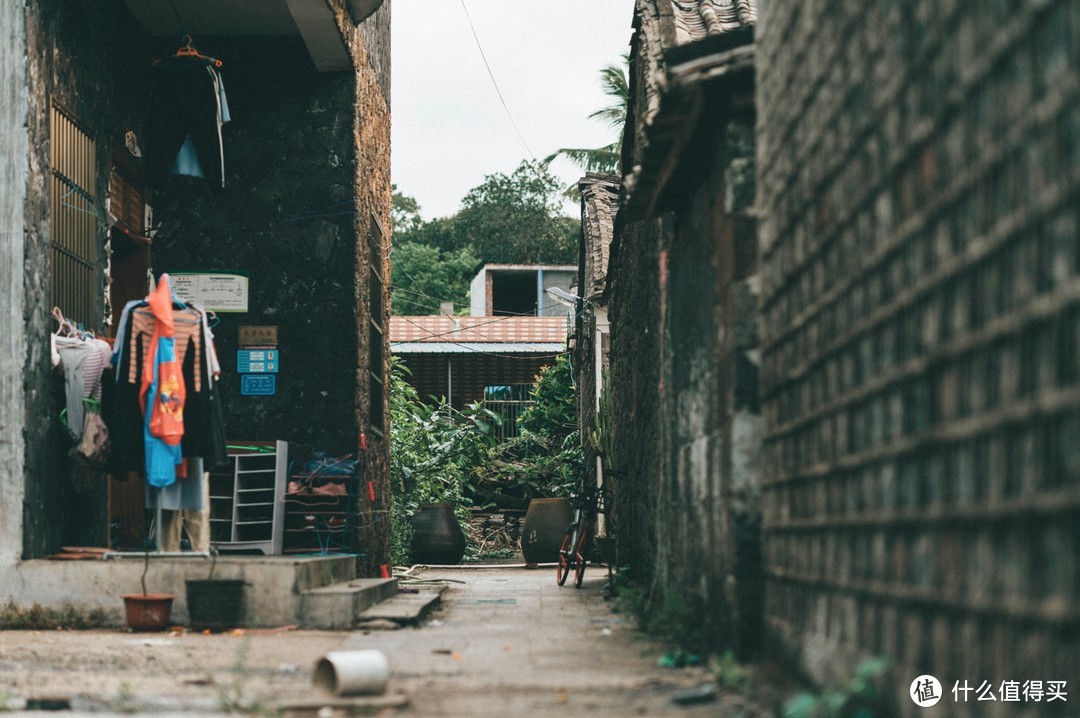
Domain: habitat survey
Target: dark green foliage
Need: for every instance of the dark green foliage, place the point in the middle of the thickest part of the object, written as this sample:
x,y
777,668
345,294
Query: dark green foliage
x,y
861,697
425,276
515,219
434,449
545,459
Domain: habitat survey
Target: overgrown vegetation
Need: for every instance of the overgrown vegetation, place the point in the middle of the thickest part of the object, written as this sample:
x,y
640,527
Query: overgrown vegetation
x,y
433,451
860,697
442,455
37,618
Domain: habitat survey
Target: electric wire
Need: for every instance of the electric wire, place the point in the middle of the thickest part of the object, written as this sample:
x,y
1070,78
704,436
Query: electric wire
x,y
494,83
473,350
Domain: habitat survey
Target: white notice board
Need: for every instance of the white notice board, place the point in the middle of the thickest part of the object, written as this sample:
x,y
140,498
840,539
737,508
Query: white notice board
x,y
218,291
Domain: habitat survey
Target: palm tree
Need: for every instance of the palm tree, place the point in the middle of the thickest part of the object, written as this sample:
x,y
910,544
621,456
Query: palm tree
x,y
606,158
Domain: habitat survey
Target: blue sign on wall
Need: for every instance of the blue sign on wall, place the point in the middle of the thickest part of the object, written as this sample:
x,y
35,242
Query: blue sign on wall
x,y
258,385
257,361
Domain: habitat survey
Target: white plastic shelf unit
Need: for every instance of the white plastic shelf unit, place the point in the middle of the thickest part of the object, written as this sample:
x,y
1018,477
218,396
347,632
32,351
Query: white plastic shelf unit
x,y
246,511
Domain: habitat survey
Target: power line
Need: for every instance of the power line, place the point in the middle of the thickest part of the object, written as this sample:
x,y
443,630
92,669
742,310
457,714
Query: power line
x,y
495,84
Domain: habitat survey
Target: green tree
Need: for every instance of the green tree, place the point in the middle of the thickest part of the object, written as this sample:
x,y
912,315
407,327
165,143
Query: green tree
x,y
613,78
423,276
515,219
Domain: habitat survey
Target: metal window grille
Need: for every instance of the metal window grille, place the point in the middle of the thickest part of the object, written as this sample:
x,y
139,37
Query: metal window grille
x,y
508,401
74,234
376,308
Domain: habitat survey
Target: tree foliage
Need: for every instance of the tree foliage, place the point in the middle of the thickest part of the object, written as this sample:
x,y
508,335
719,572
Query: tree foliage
x,y
515,219
424,276
616,85
508,218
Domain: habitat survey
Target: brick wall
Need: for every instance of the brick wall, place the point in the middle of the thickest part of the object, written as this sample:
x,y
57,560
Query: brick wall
x,y
919,166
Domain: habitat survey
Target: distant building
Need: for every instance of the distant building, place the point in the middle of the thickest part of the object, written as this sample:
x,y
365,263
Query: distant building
x,y
520,289
478,359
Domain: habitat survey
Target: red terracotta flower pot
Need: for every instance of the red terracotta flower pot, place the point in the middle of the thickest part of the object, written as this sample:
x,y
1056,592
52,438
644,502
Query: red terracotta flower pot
x,y
148,611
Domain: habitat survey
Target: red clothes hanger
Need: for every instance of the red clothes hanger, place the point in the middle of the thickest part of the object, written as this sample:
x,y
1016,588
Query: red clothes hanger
x,y
187,50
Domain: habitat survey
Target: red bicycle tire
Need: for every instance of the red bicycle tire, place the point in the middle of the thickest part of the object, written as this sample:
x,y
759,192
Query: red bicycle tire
x,y
563,568
579,555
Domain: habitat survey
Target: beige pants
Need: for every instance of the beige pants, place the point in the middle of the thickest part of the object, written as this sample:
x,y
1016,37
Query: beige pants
x,y
197,523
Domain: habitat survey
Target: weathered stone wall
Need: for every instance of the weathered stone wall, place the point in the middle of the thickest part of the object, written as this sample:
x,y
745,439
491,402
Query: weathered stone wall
x,y
375,39
90,59
369,45
708,535
637,443
285,217
918,165
14,142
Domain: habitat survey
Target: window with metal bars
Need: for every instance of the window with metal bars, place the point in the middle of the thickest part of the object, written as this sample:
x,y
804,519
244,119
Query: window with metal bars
x,y
74,219
376,305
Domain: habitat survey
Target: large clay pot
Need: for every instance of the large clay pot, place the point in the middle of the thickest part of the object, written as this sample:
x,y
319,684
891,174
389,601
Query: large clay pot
x,y
437,535
545,525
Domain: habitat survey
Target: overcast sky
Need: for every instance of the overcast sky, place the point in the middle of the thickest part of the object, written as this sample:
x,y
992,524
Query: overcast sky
x,y
449,128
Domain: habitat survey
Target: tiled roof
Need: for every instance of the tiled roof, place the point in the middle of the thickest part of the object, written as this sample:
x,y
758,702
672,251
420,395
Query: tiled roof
x,y
478,330
678,44
697,19
599,204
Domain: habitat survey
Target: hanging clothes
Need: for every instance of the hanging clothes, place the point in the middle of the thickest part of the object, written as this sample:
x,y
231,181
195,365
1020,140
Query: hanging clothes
x,y
162,393
82,357
188,110
131,384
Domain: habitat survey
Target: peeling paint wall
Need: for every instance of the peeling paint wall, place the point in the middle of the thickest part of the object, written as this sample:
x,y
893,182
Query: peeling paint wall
x,y
14,143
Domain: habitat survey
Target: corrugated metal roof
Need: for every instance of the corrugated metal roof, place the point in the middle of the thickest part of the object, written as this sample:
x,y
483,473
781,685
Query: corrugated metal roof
x,y
481,330
475,347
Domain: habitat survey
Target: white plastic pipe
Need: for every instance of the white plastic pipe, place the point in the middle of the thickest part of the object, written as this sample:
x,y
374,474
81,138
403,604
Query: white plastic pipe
x,y
346,673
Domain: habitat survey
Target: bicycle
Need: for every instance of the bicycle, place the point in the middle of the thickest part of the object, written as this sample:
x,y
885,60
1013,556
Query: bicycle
x,y
576,543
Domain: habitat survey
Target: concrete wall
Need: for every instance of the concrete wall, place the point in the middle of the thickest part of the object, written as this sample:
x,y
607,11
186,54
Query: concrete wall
x,y
918,165
14,142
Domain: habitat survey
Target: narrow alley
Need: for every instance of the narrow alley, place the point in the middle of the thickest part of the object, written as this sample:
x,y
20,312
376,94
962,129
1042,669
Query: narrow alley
x,y
504,641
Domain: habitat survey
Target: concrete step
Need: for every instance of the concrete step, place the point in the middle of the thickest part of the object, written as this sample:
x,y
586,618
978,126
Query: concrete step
x,y
337,606
406,607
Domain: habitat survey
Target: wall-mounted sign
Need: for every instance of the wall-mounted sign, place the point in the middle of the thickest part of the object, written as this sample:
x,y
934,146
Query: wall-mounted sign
x,y
257,361
258,336
258,384
217,291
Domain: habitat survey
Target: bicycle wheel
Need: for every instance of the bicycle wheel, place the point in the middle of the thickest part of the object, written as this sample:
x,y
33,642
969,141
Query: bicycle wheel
x,y
564,553
581,550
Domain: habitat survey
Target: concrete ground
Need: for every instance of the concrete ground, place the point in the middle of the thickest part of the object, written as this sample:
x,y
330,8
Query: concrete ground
x,y
504,642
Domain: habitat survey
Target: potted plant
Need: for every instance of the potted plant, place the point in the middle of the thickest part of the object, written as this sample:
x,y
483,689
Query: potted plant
x,y
147,611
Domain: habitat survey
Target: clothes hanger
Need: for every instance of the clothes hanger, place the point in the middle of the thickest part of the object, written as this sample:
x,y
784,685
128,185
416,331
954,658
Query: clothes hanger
x,y
64,326
188,51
